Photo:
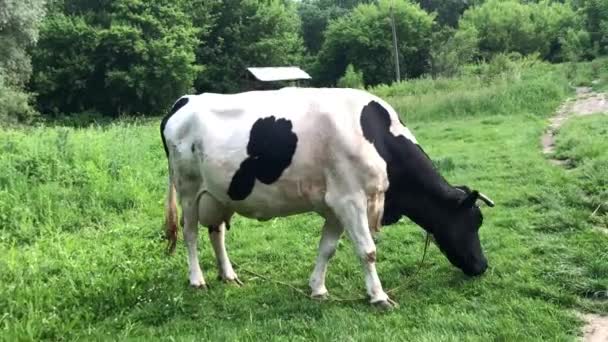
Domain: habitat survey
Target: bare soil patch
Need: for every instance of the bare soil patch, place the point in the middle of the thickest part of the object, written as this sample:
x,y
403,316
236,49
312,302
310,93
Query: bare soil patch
x,y
596,329
586,102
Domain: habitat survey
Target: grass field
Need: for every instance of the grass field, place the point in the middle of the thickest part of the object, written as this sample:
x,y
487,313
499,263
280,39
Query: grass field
x,y
81,241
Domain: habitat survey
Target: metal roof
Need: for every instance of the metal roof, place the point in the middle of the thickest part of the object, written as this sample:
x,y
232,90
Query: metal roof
x,y
267,74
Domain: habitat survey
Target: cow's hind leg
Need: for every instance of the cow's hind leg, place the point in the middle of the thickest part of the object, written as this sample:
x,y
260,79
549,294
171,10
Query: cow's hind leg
x,y
191,240
351,210
332,230
225,270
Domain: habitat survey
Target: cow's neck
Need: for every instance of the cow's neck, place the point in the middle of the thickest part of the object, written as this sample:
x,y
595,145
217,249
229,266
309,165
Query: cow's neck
x,y
416,189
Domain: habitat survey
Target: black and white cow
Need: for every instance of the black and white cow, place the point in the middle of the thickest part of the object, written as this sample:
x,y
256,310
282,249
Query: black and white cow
x,y
342,153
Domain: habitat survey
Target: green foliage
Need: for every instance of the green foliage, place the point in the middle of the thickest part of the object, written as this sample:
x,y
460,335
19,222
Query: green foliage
x,y
502,87
314,18
351,79
448,11
15,106
588,74
248,33
582,141
363,38
124,56
315,15
19,21
513,26
575,45
452,50
596,21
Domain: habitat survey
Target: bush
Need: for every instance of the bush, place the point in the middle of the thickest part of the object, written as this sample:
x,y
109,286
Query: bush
x,y
15,106
526,28
351,79
596,22
452,52
575,45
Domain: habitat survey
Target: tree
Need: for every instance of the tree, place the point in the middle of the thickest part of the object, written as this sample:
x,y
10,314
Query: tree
x,y
452,49
121,56
448,11
315,15
363,38
511,26
595,13
19,21
314,20
247,33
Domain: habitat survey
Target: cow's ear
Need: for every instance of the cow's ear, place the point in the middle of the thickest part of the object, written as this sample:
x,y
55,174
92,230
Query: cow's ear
x,y
469,200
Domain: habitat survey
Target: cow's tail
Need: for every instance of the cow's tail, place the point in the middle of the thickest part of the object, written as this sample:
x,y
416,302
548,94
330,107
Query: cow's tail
x,y
171,218
171,205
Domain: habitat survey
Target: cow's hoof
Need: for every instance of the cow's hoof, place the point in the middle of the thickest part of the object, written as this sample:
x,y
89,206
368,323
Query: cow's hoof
x,y
386,305
202,287
320,296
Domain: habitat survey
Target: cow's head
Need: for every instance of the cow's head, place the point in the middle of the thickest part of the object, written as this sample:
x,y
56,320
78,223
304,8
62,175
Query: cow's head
x,y
456,230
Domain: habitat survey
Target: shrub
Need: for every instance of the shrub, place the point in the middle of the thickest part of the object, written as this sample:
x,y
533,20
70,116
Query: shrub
x,y
452,52
513,26
15,106
351,79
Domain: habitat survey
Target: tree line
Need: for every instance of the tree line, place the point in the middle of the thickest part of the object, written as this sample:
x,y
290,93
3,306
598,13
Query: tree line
x,y
135,57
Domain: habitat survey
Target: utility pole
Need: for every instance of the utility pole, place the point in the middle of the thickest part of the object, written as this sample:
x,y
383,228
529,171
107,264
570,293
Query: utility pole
x,y
396,53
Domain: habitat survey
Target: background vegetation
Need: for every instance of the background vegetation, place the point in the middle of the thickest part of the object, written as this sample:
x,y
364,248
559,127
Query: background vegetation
x,y
132,57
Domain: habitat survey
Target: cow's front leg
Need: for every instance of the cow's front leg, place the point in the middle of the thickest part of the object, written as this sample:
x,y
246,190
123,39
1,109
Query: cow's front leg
x,y
332,230
217,237
352,213
191,239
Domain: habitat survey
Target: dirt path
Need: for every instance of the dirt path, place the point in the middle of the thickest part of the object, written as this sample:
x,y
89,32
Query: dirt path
x,y
586,102
596,329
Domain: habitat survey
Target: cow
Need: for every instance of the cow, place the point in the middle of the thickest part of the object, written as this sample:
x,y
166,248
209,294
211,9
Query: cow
x,y
342,153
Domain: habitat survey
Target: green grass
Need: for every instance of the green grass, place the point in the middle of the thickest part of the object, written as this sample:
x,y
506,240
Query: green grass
x,y
584,143
514,93
81,249
592,74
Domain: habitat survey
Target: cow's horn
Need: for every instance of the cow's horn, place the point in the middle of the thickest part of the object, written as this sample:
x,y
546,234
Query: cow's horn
x,y
486,199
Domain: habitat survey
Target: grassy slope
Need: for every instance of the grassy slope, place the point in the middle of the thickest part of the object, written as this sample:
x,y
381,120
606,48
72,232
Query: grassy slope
x,y
81,243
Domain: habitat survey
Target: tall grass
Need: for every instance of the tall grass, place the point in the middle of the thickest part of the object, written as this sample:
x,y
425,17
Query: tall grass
x,y
513,91
63,180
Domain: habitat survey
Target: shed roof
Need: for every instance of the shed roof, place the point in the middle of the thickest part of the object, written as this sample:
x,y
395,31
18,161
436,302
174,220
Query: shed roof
x,y
267,74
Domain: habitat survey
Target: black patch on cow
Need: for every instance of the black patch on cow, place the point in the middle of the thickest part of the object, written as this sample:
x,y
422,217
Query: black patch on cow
x,y
178,104
410,171
271,146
